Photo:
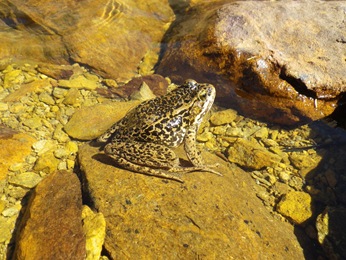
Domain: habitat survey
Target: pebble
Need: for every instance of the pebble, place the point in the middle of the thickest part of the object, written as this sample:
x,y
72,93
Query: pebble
x,y
11,211
25,179
3,106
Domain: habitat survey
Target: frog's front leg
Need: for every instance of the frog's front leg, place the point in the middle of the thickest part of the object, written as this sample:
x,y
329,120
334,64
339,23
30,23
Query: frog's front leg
x,y
148,158
194,155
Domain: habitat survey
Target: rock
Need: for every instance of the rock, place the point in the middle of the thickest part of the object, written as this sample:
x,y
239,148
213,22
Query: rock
x,y
80,82
51,226
94,226
46,162
143,94
223,117
60,135
26,88
115,35
250,154
156,83
25,179
33,122
331,230
14,147
304,160
56,71
6,226
217,217
277,71
46,98
73,97
11,211
86,123
43,146
296,206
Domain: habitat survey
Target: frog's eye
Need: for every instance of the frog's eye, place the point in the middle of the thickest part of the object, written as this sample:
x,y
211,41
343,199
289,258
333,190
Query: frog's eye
x,y
192,84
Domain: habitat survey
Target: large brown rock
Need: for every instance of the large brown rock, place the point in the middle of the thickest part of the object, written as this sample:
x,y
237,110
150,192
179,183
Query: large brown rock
x,y
282,61
208,216
111,37
51,227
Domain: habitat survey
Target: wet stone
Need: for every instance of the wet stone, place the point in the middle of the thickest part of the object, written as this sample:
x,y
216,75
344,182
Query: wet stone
x,y
296,206
223,117
25,179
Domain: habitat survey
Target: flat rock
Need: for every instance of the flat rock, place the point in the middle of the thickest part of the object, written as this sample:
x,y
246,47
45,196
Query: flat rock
x,y
111,37
88,123
282,62
51,227
14,147
208,215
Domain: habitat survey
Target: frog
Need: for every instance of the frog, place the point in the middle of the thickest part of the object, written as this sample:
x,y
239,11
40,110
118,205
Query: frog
x,y
143,139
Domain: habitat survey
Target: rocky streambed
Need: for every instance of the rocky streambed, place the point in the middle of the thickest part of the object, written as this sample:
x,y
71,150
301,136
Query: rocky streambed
x,y
283,190
276,181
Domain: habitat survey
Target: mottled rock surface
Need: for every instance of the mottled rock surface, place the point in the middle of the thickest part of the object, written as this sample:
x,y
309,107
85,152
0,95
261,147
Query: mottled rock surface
x,y
14,147
279,61
112,37
208,215
51,227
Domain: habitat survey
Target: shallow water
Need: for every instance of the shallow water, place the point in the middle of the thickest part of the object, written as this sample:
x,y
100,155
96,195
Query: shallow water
x,y
35,101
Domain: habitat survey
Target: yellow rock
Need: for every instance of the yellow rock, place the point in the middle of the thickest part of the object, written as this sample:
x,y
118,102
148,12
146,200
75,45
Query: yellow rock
x,y
223,117
90,122
80,81
94,225
47,163
13,149
296,206
251,155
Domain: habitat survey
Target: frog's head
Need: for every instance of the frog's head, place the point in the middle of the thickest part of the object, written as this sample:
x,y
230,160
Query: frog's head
x,y
201,99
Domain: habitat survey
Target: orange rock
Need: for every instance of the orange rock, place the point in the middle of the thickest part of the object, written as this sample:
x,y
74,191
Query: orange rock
x,y
14,147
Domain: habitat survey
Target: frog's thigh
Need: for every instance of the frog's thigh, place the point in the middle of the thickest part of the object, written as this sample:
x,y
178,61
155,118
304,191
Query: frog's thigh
x,y
148,154
190,147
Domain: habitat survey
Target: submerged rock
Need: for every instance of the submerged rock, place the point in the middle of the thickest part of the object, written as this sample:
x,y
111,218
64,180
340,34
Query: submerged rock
x,y
284,67
52,223
14,147
209,215
111,37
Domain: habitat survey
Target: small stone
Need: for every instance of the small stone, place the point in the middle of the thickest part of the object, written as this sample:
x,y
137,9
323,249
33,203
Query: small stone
x,y
5,229
61,153
218,130
43,146
54,109
16,192
144,93
262,133
62,166
25,179
296,206
16,167
46,163
284,176
46,98
14,210
81,82
3,106
70,164
94,225
73,97
223,117
251,155
33,122
59,92
72,147
60,135
205,136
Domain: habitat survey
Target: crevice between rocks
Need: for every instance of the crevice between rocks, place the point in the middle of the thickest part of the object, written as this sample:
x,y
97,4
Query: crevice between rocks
x,y
297,84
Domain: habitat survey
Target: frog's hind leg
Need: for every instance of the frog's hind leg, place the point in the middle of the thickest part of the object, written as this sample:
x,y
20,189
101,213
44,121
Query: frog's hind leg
x,y
148,158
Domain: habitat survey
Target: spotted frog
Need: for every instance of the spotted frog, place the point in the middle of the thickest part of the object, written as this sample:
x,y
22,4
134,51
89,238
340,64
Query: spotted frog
x,y
140,141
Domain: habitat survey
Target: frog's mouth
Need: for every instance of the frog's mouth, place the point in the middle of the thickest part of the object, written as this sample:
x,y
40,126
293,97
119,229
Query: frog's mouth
x,y
204,102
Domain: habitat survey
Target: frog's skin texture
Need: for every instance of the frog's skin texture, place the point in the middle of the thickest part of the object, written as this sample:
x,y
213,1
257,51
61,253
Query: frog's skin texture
x,y
140,141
